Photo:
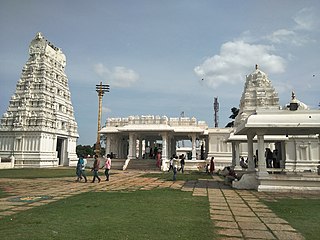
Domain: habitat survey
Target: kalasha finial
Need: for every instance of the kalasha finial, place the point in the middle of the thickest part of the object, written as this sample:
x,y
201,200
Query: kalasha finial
x,y
39,35
256,66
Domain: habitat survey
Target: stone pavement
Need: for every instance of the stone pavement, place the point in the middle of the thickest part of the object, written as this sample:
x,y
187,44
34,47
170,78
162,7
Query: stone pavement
x,y
237,214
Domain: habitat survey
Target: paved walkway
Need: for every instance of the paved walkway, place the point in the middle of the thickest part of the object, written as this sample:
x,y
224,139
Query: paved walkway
x,y
237,214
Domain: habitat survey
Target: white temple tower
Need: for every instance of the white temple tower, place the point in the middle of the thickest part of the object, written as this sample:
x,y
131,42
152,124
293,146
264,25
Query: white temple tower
x,y
258,93
39,129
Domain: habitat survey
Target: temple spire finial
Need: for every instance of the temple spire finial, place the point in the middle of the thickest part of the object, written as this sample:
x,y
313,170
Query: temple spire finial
x,y
39,35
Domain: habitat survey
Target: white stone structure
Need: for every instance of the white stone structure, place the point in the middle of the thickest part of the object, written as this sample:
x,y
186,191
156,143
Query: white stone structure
x,y
258,93
125,136
301,152
293,131
296,153
39,129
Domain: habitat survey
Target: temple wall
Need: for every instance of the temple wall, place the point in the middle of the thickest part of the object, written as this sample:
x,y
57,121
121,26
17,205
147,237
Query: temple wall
x,y
219,148
32,149
302,153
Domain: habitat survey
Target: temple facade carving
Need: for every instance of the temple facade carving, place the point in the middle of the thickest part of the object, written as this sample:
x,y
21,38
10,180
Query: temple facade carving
x,y
258,93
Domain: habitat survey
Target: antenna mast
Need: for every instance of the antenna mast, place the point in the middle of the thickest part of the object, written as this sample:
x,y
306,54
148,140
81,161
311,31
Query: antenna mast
x,y
216,110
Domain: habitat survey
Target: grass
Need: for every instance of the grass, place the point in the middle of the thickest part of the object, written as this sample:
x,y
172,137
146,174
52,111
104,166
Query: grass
x,y
186,176
302,214
156,214
3,194
29,173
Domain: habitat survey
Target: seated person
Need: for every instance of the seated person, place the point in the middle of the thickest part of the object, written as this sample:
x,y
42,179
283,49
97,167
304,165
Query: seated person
x,y
243,164
231,175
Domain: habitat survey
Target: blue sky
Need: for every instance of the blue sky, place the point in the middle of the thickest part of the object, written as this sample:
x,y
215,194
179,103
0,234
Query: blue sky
x,y
154,54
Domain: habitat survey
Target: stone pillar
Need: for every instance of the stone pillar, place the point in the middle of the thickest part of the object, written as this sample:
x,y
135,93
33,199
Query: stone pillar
x,y
194,149
233,152
131,146
283,155
251,165
140,148
108,144
237,156
262,168
164,155
207,147
169,147
135,146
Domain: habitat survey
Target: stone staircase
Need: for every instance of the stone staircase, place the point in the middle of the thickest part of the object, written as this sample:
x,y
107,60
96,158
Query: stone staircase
x,y
117,163
143,164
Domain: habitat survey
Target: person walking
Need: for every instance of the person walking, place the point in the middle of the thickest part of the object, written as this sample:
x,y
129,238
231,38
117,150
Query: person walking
x,y
158,158
78,169
83,168
212,165
95,169
107,167
182,162
171,162
175,168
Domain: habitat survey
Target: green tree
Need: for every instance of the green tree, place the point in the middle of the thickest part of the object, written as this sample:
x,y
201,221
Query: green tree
x,y
235,112
84,150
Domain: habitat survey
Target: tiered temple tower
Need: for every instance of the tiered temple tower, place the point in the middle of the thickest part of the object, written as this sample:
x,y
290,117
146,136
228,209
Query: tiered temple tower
x,y
39,129
258,93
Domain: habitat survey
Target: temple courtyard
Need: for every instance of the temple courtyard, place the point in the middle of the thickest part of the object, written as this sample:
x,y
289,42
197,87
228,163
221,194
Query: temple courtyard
x,y
236,214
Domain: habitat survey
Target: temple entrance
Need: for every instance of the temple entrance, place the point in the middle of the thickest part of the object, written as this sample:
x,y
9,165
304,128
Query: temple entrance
x,y
61,151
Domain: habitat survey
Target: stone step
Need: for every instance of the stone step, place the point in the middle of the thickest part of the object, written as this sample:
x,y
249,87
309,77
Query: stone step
x,y
143,164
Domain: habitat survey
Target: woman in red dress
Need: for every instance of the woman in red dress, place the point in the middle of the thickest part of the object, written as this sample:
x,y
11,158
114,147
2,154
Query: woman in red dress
x,y
212,165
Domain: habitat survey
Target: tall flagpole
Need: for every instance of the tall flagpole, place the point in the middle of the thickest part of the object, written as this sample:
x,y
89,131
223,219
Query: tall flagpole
x,y
101,89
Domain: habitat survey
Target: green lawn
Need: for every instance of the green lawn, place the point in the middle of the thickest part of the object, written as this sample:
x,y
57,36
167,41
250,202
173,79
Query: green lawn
x,y
157,214
30,173
3,194
186,176
302,214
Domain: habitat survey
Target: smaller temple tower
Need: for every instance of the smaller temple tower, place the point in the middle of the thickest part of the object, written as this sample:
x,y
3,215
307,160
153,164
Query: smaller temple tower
x,y
39,129
258,93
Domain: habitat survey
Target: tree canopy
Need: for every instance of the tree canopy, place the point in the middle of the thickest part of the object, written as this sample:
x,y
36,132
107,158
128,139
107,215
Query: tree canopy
x,y
235,112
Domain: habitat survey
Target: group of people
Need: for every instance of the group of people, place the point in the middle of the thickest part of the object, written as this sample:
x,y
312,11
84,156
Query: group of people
x,y
174,161
210,167
81,165
272,160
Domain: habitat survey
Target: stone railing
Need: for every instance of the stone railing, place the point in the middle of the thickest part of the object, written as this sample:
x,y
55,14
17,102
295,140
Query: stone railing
x,y
6,162
150,119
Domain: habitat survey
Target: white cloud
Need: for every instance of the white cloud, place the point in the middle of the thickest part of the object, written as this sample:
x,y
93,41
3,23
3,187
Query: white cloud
x,y
118,76
235,59
305,19
298,35
285,36
106,110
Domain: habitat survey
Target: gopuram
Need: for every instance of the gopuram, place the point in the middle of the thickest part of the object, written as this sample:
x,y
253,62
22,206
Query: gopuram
x,y
39,129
